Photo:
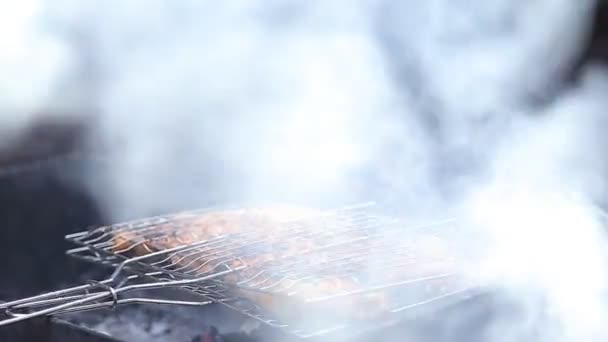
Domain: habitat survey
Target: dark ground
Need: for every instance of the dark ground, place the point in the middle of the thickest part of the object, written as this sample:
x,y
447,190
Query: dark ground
x,y
37,208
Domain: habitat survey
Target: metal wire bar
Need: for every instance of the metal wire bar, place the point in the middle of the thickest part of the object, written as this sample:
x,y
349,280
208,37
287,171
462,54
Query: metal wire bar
x,y
251,310
349,243
81,296
210,256
166,225
219,246
110,304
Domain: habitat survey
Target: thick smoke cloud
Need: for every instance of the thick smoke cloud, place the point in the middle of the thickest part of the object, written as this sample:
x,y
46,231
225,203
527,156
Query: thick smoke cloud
x,y
32,63
269,99
433,105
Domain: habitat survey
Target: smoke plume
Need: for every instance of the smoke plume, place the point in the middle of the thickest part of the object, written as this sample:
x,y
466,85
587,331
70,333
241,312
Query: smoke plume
x,y
33,64
437,106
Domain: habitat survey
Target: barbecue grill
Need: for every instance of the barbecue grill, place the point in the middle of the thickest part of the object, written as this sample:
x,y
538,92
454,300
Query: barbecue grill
x,y
147,280
159,270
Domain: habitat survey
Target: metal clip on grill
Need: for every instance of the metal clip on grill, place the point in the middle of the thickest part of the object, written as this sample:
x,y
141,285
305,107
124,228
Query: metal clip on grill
x,y
103,294
199,267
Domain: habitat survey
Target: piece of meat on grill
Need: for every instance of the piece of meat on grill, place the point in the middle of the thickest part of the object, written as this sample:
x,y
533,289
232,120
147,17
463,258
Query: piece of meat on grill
x,y
288,255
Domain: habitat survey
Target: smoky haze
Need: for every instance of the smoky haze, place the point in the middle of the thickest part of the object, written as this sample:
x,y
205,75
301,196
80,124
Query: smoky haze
x,y
432,105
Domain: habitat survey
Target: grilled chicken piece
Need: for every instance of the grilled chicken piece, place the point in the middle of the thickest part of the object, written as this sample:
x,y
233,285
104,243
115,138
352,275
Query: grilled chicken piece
x,y
287,264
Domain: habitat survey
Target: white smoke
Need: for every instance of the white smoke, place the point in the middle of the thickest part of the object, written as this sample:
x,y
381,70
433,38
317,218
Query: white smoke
x,y
539,210
33,63
280,96
426,103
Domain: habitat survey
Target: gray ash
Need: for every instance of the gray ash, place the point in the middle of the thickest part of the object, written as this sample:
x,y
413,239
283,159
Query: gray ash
x,y
151,323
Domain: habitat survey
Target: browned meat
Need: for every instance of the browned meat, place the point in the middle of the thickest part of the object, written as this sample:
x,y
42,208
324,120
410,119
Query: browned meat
x,y
276,256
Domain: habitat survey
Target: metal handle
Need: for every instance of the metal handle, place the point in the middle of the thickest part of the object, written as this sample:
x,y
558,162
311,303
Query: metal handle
x,y
80,298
